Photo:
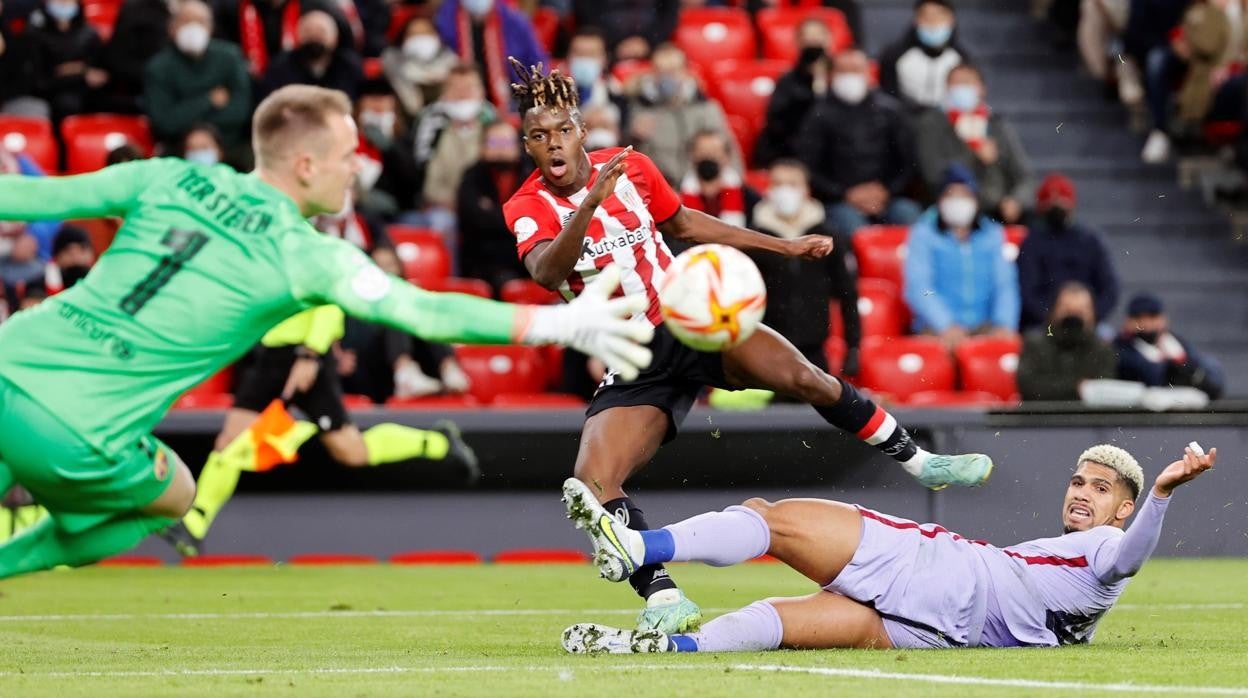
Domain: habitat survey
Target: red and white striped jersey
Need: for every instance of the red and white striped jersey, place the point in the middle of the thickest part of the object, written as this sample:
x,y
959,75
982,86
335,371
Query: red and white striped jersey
x,y
624,229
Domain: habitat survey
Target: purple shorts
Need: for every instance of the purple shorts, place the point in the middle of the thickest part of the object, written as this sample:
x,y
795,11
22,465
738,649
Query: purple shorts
x,y
929,585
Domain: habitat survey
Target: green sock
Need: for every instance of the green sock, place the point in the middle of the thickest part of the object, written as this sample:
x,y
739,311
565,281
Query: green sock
x,y
213,489
390,443
46,545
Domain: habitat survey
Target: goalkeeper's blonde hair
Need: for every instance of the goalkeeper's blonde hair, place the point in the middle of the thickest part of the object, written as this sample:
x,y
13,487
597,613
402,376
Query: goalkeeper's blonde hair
x,y
1120,462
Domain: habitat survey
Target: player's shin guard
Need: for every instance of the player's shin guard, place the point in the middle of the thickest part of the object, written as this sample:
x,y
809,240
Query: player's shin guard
x,y
720,538
755,628
391,443
46,544
858,415
648,579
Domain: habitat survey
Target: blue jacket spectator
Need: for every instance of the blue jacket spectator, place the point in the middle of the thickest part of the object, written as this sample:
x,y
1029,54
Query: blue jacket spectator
x,y
486,32
957,279
1058,250
1149,353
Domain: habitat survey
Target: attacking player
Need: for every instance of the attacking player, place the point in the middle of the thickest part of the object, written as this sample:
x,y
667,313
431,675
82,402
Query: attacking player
x,y
889,582
580,212
205,263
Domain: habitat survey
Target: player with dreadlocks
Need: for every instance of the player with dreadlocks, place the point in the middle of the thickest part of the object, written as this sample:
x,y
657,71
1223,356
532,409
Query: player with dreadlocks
x,y
581,211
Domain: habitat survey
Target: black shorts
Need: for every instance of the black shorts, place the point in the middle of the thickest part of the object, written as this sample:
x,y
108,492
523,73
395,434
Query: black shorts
x,y
263,383
672,383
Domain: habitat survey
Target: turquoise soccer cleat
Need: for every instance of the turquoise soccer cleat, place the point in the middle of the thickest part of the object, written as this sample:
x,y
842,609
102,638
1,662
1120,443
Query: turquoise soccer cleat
x,y
679,615
967,470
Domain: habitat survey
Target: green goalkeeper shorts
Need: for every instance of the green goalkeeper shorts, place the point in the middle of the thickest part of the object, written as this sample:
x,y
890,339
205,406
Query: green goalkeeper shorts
x,y
66,474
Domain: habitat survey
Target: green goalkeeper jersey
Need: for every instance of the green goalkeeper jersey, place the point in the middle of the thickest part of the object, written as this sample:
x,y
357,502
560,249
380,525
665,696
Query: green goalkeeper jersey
x,y
206,261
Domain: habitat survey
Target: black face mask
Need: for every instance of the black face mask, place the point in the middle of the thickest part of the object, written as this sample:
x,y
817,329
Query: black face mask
x,y
708,170
1058,218
313,51
810,55
72,275
1069,331
1150,336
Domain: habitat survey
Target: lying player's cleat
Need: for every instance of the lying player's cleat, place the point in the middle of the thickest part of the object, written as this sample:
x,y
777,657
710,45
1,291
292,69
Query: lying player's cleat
x,y
460,452
186,544
967,470
591,638
671,612
618,551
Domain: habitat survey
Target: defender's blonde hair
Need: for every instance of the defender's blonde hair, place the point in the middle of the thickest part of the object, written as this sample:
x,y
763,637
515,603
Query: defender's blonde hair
x,y
1118,460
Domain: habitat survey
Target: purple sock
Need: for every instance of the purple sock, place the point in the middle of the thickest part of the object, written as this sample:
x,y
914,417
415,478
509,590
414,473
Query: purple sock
x,y
754,628
721,538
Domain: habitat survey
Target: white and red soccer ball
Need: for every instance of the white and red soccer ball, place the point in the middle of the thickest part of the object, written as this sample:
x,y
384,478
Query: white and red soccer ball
x,y
712,297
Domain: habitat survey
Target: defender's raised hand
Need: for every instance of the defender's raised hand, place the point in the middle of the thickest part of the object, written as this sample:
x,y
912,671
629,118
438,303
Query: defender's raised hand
x,y
1181,471
607,176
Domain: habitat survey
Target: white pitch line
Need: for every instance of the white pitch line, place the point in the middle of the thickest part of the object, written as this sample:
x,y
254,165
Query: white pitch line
x,y
598,667
431,613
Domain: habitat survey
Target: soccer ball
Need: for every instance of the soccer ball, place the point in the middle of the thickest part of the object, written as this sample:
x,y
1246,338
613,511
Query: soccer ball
x,y
712,297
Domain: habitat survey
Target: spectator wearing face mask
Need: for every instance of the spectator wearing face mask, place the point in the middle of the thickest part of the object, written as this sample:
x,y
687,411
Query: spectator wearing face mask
x,y
1057,357
484,33
448,141
915,68
488,248
1149,353
417,64
265,28
73,255
602,126
386,183
66,50
141,31
859,151
798,290
712,185
197,79
795,94
668,109
1058,250
202,145
967,131
588,65
957,279
320,59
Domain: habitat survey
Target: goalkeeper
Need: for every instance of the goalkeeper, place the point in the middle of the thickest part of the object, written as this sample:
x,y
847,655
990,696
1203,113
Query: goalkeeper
x,y
205,263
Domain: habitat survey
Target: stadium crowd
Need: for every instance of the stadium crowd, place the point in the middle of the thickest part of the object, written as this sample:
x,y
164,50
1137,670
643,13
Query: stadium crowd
x,y
762,113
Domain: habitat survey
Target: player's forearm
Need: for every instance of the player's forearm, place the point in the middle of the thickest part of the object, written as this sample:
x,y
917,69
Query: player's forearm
x,y
698,227
554,262
1138,543
39,198
448,317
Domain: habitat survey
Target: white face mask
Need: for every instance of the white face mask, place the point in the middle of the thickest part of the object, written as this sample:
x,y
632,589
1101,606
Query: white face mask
x,y
422,47
788,200
192,39
598,138
477,8
381,120
850,88
958,211
463,109
202,156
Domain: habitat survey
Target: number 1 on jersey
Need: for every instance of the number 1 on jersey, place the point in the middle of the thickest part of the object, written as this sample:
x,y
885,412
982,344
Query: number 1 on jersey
x,y
185,245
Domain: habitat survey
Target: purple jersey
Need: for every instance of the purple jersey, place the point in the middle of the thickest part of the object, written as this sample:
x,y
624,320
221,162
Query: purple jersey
x,y
934,588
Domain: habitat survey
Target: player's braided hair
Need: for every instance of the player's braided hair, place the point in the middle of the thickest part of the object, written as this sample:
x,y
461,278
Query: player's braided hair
x,y
539,89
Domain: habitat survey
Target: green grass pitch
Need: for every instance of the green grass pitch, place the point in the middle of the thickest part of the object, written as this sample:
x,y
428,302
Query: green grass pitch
x,y
494,630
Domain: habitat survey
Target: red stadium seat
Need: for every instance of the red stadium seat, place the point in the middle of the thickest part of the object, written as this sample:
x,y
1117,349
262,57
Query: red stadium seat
x,y
358,402
746,132
32,136
546,27
399,16
709,34
834,348
758,180
954,398
537,401
455,284
213,394
1014,236
495,370
102,16
744,88
627,71
89,137
527,292
434,402
778,26
902,366
881,250
425,258
990,364
880,308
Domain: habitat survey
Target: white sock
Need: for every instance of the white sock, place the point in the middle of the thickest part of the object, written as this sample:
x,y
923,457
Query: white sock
x,y
914,466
